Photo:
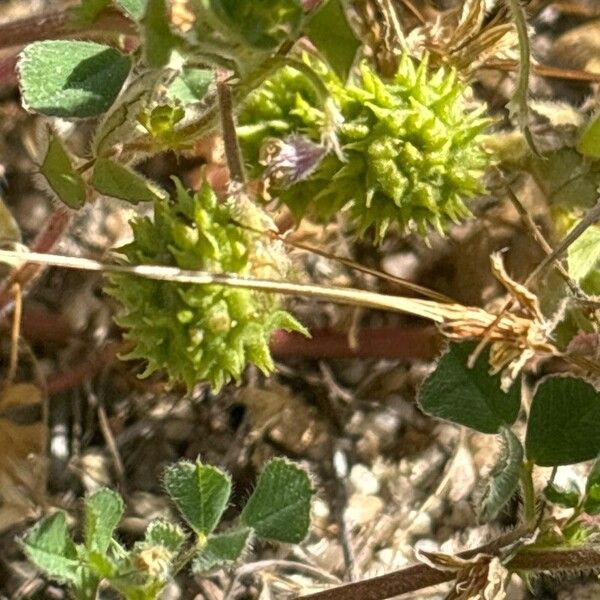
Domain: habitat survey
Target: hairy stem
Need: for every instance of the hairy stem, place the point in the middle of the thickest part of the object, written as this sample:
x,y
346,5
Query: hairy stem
x,y
418,577
230,139
528,493
556,559
410,579
518,104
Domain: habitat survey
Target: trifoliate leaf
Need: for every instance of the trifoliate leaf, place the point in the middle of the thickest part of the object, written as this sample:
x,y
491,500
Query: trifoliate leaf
x,y
201,493
71,79
279,506
50,548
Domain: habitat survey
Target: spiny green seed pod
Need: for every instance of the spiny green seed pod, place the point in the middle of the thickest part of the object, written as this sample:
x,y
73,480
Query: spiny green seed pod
x,y
202,332
412,147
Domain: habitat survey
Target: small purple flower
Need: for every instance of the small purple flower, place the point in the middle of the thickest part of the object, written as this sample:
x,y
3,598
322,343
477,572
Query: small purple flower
x,y
288,161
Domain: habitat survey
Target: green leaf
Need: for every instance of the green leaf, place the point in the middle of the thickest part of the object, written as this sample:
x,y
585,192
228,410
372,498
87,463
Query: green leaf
x,y
70,79
163,533
591,504
9,228
201,493
279,507
63,179
567,496
113,179
50,547
261,24
101,564
103,511
564,422
594,476
331,33
121,121
134,8
589,141
85,13
159,40
221,549
584,260
191,85
470,397
503,480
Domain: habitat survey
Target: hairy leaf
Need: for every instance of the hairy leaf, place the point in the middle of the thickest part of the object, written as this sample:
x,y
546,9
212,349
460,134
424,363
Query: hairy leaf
x,y
201,493
113,179
563,422
503,480
279,507
103,511
71,79
163,533
221,549
470,397
62,178
49,546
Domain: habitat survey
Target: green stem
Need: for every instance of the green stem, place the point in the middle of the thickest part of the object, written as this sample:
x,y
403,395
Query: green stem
x,y
528,493
518,104
187,554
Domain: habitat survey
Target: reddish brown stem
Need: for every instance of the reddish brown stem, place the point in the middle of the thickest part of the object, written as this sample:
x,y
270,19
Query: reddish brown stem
x,y
44,326
411,343
76,375
45,241
376,342
578,559
410,579
59,24
418,577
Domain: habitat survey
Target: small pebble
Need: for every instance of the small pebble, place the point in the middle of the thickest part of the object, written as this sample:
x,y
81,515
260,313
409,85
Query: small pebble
x,y
362,509
363,481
